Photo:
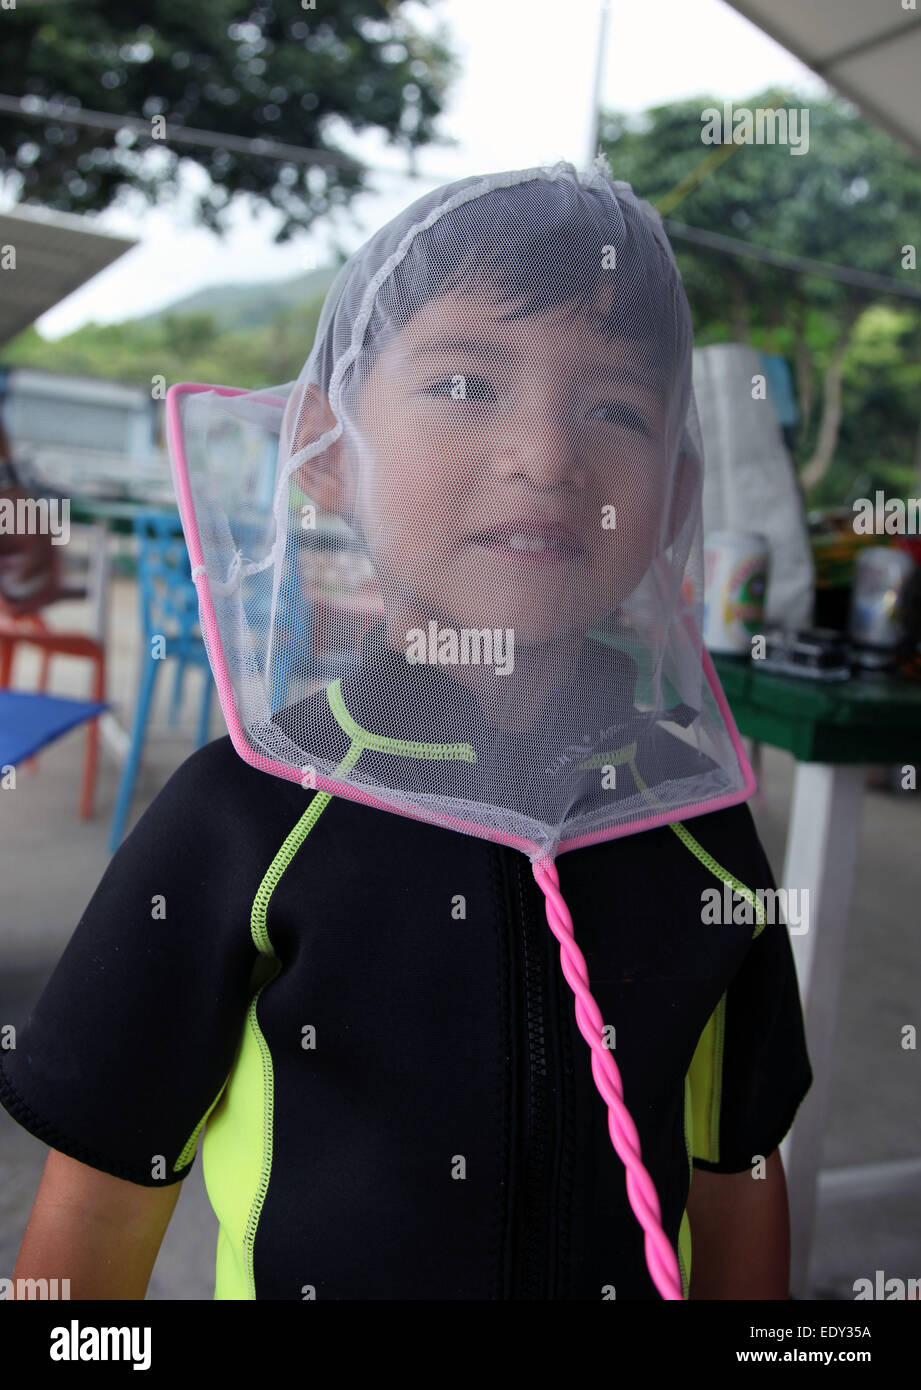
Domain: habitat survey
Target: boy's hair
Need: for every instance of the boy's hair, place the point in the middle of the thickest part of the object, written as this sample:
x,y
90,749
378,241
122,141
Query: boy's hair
x,y
506,245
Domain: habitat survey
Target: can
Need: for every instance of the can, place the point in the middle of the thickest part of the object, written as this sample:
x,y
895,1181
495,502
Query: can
x,y
735,583
875,625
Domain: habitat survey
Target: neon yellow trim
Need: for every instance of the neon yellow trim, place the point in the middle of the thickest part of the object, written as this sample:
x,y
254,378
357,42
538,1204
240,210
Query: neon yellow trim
x,y
351,757
705,1077
706,1071
687,839
192,1142
399,747
237,1147
718,871
684,1254
234,1162
613,758
684,1230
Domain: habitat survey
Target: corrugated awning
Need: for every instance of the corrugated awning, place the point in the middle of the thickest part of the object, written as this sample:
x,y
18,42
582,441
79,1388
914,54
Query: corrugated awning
x,y
870,53
55,255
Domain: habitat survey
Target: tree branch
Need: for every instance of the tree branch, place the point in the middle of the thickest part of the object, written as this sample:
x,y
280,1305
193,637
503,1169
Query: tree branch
x,y
830,422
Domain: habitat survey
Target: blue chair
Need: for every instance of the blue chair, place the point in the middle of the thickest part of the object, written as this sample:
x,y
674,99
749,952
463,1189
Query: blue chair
x,y
293,652
245,534
169,610
29,720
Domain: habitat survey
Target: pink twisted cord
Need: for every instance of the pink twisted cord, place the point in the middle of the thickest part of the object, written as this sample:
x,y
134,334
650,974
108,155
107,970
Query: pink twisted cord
x,y
660,1257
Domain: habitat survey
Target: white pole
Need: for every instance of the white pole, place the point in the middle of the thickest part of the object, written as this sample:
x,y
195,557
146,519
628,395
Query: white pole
x,y
595,111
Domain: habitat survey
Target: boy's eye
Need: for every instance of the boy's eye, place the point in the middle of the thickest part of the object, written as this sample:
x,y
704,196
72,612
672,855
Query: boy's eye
x,y
461,386
619,413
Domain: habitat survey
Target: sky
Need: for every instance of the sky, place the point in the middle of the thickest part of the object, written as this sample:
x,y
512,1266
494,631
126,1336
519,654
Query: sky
x,y
523,97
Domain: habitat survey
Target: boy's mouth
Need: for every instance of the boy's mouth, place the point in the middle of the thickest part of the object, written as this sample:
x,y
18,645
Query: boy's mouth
x,y
533,540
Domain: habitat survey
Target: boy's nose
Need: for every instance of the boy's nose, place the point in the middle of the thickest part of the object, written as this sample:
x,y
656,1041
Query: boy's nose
x,y
543,446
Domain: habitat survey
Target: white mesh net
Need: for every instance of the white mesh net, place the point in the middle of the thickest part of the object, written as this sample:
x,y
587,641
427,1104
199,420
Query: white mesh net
x,y
455,569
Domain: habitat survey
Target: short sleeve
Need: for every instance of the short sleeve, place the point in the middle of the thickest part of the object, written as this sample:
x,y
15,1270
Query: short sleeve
x,y
751,1070
132,1039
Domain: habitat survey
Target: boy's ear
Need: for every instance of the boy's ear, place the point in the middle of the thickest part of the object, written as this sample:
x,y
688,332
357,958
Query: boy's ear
x,y
325,478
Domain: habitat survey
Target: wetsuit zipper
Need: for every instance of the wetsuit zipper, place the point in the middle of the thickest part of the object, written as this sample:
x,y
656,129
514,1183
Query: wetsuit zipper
x,y
533,1218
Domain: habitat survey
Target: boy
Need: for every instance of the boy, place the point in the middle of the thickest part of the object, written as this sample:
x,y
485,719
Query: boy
x,y
363,1010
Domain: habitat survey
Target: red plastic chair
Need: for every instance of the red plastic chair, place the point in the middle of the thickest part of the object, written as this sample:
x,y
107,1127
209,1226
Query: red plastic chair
x,y
16,629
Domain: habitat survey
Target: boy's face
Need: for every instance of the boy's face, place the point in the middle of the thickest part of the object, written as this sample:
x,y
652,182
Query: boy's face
x,y
490,451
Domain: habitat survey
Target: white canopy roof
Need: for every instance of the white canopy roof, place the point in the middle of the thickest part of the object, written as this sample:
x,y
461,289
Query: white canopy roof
x,y
870,53
55,254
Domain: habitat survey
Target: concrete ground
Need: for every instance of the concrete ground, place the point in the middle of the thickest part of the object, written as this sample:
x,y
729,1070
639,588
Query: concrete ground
x,y
51,862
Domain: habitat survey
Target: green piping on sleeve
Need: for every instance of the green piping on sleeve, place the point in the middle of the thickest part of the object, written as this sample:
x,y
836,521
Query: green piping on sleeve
x,y
706,1071
238,1145
687,839
260,936
254,1062
236,1121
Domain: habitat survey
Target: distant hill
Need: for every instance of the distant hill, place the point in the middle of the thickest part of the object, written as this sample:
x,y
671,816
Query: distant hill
x,y
235,306
255,334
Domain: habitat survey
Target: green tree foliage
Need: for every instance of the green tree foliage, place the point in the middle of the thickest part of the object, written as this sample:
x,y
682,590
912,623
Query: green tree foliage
x,y
881,405
854,200
179,347
288,74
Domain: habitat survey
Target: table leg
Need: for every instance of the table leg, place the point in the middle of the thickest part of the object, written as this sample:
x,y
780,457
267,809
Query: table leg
x,y
116,739
99,578
820,856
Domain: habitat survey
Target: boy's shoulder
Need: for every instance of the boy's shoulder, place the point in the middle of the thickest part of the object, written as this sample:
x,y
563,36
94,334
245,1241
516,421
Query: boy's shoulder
x,y
216,800
217,768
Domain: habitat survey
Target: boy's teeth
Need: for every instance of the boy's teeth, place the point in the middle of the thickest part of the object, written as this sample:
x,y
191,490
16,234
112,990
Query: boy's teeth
x,y
515,540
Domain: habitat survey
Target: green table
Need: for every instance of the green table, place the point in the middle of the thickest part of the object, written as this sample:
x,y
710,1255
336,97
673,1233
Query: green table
x,y
868,719
832,730
118,513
